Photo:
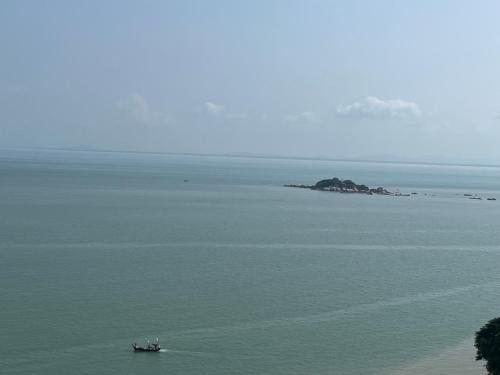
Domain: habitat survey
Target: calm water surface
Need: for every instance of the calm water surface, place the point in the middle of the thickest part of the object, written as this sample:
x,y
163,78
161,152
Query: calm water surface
x,y
235,273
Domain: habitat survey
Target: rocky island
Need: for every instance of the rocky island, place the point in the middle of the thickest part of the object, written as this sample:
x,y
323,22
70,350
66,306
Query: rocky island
x,y
344,186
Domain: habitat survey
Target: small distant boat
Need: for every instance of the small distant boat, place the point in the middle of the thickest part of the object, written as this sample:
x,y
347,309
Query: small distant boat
x,y
155,347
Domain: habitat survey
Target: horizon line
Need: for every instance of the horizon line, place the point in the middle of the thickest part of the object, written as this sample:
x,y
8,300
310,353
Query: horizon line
x,y
249,155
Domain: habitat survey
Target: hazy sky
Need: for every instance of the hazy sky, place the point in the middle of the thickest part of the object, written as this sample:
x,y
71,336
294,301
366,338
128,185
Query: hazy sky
x,y
415,79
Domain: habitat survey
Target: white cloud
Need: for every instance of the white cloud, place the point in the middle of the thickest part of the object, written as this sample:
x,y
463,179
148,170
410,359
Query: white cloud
x,y
137,109
236,116
304,117
372,107
212,108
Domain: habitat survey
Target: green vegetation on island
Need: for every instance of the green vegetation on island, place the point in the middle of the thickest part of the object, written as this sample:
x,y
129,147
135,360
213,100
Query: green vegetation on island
x,y
344,186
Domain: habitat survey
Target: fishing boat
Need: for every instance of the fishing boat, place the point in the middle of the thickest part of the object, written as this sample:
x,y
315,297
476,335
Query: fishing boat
x,y
155,347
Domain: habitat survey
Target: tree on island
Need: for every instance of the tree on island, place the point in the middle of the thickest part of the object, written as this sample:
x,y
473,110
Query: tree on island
x,y
487,343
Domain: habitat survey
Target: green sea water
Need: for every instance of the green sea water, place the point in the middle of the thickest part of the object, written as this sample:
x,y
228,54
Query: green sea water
x,y
234,273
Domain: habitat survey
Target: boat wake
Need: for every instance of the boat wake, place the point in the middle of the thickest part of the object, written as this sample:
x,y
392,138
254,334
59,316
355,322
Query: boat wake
x,y
337,314
186,352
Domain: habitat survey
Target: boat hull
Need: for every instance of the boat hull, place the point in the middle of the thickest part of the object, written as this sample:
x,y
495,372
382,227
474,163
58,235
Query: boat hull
x,y
152,349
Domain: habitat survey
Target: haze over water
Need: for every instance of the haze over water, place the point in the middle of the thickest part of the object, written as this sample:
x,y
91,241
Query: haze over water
x,y
235,273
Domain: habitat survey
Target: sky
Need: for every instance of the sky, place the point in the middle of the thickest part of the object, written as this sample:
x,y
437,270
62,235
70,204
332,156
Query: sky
x,y
404,80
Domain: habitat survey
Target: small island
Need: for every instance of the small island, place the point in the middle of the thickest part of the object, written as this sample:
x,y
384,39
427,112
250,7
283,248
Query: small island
x,y
345,186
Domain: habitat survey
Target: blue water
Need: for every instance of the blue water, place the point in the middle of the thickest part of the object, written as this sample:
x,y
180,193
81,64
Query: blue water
x,y
233,272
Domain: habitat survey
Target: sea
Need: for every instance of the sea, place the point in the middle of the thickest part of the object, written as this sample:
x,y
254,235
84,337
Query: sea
x,y
235,273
